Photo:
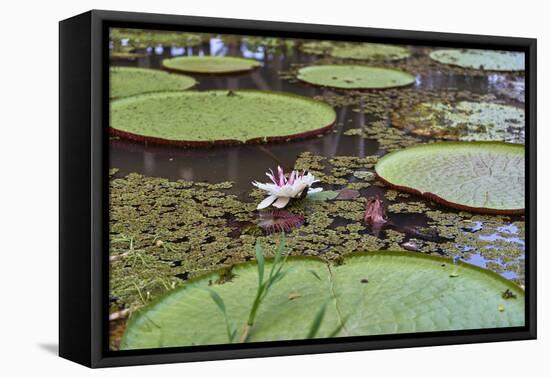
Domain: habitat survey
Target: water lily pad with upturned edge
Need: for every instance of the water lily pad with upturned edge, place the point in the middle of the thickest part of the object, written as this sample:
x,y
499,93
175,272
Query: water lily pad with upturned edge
x,y
465,120
130,81
354,77
207,118
483,177
489,60
210,64
371,293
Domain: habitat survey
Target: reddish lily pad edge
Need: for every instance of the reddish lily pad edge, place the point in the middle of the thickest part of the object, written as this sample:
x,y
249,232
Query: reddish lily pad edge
x,y
437,199
231,142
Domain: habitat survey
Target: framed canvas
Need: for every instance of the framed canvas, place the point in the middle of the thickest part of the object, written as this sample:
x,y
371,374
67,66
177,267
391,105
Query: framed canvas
x,y
234,188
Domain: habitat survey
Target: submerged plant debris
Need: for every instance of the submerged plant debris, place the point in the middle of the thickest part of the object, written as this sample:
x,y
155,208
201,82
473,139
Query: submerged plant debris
x,y
466,121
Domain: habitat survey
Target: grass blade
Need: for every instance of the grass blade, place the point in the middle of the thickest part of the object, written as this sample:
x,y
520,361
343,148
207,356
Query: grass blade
x,y
260,262
314,328
231,332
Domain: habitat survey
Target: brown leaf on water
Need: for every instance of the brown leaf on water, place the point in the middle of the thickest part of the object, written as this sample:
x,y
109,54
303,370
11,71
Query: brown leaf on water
x,y
292,296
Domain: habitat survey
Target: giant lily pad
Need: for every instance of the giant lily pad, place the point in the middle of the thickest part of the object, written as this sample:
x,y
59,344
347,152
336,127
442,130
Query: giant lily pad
x,y
464,120
210,64
129,81
372,293
192,118
355,77
489,60
356,51
486,177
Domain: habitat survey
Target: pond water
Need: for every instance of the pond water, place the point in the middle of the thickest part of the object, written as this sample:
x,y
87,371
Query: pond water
x,y
244,163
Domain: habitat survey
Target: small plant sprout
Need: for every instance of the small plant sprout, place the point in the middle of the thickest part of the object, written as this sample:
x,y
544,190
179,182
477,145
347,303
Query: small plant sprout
x,y
275,275
283,188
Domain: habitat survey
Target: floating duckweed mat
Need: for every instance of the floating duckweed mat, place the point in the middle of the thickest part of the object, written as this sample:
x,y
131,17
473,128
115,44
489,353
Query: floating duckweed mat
x,y
164,232
465,120
367,294
139,38
487,60
356,51
270,44
354,77
486,177
219,117
210,64
129,81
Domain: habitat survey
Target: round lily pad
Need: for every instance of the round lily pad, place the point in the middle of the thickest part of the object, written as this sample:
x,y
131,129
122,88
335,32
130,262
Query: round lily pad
x,y
355,77
372,293
210,64
356,51
483,177
129,81
126,55
489,60
206,118
465,120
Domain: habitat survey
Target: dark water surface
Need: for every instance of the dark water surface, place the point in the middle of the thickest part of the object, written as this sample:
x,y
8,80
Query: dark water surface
x,y
245,163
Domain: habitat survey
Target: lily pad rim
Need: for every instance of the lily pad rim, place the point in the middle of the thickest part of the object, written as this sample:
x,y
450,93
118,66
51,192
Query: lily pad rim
x,y
220,73
225,142
435,198
356,88
191,283
155,70
472,68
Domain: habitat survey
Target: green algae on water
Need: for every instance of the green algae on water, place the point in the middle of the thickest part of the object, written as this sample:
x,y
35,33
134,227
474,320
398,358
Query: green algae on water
x,y
141,38
465,120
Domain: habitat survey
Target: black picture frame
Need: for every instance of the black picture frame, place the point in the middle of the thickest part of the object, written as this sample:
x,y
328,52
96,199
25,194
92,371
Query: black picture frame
x,y
83,197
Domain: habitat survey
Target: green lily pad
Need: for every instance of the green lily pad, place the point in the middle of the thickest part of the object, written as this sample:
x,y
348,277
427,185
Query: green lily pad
x,y
467,121
192,118
130,81
126,55
325,195
210,64
485,177
355,77
489,60
373,293
356,51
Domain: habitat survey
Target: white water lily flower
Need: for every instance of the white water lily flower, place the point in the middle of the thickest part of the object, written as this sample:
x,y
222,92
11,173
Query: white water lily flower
x,y
283,188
